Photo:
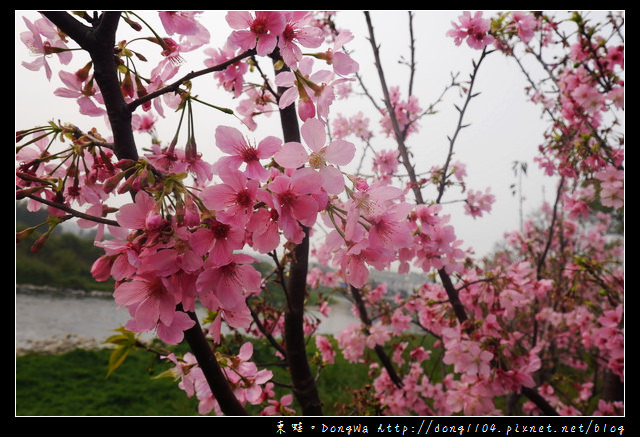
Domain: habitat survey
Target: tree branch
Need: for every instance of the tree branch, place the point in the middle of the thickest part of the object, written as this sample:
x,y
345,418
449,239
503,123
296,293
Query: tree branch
x,y
551,230
99,43
412,46
175,85
304,385
404,153
461,112
74,212
382,355
207,361
268,335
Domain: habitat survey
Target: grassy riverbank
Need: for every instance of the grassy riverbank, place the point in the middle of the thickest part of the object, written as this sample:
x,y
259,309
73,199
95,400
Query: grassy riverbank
x,y
75,384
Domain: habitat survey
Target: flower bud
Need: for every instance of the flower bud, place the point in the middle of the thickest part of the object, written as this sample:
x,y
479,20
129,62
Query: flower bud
x,y
306,109
153,221
101,268
191,150
24,234
40,242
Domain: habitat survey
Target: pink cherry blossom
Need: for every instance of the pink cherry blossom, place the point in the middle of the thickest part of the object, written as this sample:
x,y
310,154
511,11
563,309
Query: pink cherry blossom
x,y
389,228
616,95
151,304
234,198
143,123
340,126
264,231
341,62
279,408
525,25
400,321
217,240
611,187
263,30
231,141
313,89
474,29
615,56
294,200
230,283
406,112
477,202
256,102
232,77
338,152
76,89
378,335
142,214
180,22
326,349
52,44
351,342
385,164
298,31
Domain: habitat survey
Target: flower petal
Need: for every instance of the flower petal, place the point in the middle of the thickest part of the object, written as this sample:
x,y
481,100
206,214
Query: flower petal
x,y
340,152
292,155
313,132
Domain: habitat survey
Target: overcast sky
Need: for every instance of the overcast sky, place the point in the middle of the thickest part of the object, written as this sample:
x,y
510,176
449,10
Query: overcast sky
x,y
505,127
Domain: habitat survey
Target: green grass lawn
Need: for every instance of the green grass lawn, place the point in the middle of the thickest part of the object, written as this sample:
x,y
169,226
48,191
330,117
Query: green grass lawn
x,y
75,384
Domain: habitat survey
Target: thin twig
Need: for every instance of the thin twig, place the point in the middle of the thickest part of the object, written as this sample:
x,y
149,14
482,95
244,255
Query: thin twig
x,y
175,85
264,332
382,355
404,153
551,229
460,126
74,212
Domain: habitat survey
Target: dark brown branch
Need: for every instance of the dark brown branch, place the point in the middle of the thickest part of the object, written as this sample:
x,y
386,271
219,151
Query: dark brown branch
x,y
382,355
218,383
412,46
540,402
267,335
461,112
77,31
304,385
175,85
99,43
453,294
74,212
551,230
404,153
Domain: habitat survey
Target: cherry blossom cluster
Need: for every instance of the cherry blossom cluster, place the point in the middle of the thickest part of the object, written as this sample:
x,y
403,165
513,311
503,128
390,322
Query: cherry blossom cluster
x,y
245,379
406,112
505,352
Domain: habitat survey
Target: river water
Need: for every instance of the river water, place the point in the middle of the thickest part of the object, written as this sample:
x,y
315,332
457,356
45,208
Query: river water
x,y
44,315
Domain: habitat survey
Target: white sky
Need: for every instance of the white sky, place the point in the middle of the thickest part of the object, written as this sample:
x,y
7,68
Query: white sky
x,y
504,126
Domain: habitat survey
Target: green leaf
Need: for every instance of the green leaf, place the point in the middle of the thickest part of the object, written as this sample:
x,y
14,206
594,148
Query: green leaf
x,y
125,342
117,357
169,373
125,336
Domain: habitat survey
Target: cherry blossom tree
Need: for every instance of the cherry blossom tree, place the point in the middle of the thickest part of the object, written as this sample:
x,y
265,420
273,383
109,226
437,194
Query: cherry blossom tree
x,y
535,328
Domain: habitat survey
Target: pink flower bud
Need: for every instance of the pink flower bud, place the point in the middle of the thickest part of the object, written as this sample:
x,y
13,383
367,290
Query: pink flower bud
x,y
306,109
101,268
153,221
40,242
